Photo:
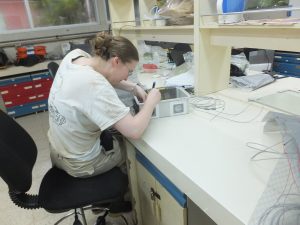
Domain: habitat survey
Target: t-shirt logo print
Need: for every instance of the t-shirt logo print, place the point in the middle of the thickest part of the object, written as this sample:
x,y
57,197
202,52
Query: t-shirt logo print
x,y
56,116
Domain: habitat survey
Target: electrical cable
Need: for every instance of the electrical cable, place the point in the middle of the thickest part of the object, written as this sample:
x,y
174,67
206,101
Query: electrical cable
x,y
209,104
269,61
206,103
285,210
281,210
266,149
284,207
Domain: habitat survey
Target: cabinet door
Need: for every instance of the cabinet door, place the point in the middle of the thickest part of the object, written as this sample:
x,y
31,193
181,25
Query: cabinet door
x,y
158,206
131,170
148,204
170,211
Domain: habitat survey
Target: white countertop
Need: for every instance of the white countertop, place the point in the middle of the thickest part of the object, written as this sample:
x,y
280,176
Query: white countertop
x,y
207,157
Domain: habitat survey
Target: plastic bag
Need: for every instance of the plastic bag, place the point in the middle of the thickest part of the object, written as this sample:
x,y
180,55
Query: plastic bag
x,y
151,57
252,82
177,8
178,12
189,58
240,61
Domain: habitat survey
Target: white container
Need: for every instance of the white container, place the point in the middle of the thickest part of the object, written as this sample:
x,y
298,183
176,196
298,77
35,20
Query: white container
x,y
149,23
174,101
160,22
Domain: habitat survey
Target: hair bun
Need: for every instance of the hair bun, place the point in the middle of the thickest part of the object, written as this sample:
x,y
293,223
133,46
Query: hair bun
x,y
102,44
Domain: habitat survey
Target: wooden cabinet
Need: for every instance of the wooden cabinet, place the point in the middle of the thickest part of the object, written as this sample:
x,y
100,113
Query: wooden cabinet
x,y
156,200
150,209
132,175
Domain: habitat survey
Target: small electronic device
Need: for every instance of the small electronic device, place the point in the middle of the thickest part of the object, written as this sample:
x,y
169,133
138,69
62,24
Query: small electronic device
x,y
174,101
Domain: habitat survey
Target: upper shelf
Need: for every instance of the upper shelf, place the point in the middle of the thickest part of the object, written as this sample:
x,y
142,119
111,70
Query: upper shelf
x,y
278,34
183,34
285,38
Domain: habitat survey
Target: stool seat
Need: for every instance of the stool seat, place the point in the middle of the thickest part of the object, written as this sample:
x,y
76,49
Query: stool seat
x,y
59,191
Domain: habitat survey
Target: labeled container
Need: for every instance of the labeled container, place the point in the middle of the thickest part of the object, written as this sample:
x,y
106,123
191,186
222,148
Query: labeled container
x,y
174,101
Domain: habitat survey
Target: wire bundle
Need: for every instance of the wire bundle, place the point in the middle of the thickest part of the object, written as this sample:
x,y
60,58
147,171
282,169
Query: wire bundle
x,y
207,103
216,107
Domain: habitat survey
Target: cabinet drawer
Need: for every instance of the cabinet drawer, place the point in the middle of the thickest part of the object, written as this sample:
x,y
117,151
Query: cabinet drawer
x,y
23,109
287,54
27,108
42,96
8,95
286,59
43,105
287,68
20,100
15,80
16,89
42,86
39,76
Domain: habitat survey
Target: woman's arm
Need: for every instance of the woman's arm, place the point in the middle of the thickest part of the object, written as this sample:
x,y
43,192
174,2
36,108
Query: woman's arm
x,y
134,126
138,91
126,85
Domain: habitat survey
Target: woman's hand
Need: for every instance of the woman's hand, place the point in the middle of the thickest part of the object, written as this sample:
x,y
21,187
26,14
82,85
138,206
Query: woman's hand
x,y
154,96
140,92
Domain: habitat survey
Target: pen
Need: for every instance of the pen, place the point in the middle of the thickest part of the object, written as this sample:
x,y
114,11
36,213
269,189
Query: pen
x,y
153,85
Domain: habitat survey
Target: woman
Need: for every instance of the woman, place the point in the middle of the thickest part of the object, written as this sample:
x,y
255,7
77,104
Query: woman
x,y
83,103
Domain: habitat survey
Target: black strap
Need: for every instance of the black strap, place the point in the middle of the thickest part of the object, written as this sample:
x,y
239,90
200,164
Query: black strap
x,y
77,58
106,139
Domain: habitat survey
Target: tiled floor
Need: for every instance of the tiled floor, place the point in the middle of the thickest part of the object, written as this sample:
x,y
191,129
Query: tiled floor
x,y
37,126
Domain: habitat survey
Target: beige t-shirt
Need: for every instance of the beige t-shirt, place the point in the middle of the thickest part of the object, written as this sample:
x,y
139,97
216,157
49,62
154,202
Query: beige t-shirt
x,y
82,103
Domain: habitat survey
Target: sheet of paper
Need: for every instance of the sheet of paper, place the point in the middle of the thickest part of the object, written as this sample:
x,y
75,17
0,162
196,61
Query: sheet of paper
x,y
184,79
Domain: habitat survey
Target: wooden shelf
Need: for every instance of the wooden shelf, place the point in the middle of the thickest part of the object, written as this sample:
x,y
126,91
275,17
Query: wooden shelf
x,y
284,38
15,70
183,34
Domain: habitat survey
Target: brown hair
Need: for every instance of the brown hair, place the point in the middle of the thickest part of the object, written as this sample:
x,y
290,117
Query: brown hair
x,y
107,46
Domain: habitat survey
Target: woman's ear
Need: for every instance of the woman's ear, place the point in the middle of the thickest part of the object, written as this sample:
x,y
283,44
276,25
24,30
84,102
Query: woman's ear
x,y
115,61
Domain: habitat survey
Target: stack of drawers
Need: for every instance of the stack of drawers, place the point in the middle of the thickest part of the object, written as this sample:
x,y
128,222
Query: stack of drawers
x,y
26,94
287,63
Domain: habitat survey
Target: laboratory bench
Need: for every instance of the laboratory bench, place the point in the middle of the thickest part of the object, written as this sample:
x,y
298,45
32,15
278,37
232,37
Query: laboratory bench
x,y
205,156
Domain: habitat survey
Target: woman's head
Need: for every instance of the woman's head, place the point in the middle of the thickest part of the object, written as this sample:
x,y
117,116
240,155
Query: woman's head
x,y
119,52
107,46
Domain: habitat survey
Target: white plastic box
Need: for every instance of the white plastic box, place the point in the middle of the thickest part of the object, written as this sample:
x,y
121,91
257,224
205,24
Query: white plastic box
x,y
174,101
